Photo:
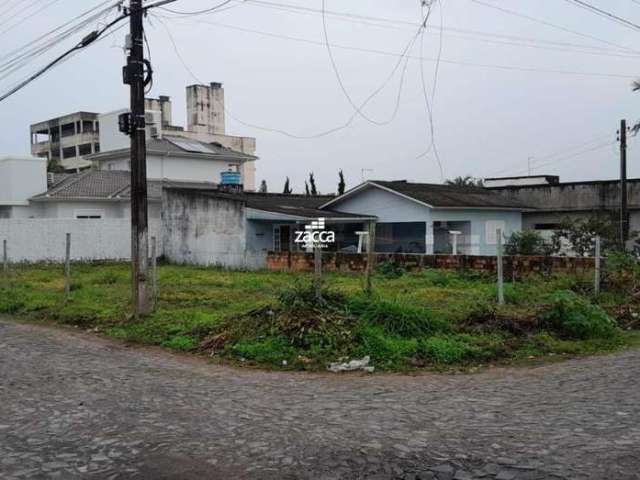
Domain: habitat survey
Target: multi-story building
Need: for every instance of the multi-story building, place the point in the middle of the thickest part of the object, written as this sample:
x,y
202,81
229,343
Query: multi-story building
x,y
69,140
66,140
205,123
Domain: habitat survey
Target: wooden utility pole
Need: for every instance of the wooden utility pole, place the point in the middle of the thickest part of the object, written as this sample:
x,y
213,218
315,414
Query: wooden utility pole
x,y
371,255
134,76
624,220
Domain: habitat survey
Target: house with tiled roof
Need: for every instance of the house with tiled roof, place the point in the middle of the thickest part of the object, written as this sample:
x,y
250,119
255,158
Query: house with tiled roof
x,y
104,190
210,227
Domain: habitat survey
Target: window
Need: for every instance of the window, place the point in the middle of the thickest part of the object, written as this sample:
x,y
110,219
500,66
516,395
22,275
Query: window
x,y
276,238
96,148
87,126
401,237
490,231
69,152
84,149
88,214
547,226
68,130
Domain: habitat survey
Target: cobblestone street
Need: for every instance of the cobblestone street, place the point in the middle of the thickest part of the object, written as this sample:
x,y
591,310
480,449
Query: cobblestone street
x,y
77,406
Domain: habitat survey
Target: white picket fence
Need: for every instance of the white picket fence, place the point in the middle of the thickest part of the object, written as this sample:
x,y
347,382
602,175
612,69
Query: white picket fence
x,y
44,239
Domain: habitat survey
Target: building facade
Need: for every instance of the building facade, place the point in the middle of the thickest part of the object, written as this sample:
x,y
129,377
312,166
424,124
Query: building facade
x,y
66,140
205,123
200,226
555,201
70,139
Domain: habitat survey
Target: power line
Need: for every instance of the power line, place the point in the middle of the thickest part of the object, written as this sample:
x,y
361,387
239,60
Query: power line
x,y
605,14
24,54
569,157
428,4
198,12
556,154
401,24
324,133
334,66
552,25
85,42
28,17
442,60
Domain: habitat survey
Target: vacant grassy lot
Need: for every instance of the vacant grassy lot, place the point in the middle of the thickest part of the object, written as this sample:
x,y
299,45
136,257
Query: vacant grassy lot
x,y
431,318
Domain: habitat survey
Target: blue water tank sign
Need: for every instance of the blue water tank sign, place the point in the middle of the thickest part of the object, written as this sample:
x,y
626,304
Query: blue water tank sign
x,y
230,178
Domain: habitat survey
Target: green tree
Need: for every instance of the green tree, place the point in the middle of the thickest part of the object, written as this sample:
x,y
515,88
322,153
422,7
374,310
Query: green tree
x,y
306,188
312,184
581,232
527,242
466,181
263,186
287,187
341,183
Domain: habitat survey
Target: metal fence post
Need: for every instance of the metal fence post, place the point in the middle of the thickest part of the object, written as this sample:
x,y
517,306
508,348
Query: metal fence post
x,y
500,267
596,286
154,271
5,257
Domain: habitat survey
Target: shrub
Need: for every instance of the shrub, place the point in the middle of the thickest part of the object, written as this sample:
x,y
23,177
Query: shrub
x,y
622,272
179,342
390,269
575,317
446,350
526,242
384,348
397,317
271,350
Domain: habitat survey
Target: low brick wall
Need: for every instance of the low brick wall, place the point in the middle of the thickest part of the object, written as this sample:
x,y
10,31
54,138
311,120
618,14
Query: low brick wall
x,y
353,262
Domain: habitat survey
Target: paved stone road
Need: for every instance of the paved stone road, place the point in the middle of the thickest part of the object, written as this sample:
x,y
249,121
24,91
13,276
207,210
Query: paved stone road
x,y
75,406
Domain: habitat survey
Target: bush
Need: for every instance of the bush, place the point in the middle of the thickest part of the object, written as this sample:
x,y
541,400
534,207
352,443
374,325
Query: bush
x,y
179,343
446,350
397,317
622,272
575,317
390,269
384,348
526,242
271,350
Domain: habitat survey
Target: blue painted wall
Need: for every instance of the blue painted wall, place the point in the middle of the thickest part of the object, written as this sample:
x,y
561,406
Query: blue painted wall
x,y
392,208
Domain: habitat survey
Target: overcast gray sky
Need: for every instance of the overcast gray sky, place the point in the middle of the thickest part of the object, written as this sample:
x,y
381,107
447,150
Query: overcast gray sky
x,y
487,119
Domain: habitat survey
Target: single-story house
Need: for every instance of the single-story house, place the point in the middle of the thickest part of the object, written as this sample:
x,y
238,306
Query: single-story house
x,y
238,229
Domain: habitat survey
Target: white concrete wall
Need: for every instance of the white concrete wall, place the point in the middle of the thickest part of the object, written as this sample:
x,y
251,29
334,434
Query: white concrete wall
x,y
21,178
176,168
37,240
204,230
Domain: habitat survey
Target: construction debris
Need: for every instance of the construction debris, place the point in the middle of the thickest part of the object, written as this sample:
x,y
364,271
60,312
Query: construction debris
x,y
362,364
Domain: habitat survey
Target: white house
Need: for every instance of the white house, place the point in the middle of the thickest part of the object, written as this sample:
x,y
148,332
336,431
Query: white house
x,y
28,191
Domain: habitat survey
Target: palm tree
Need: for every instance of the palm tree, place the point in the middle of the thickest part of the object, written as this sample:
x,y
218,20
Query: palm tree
x,y
466,181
